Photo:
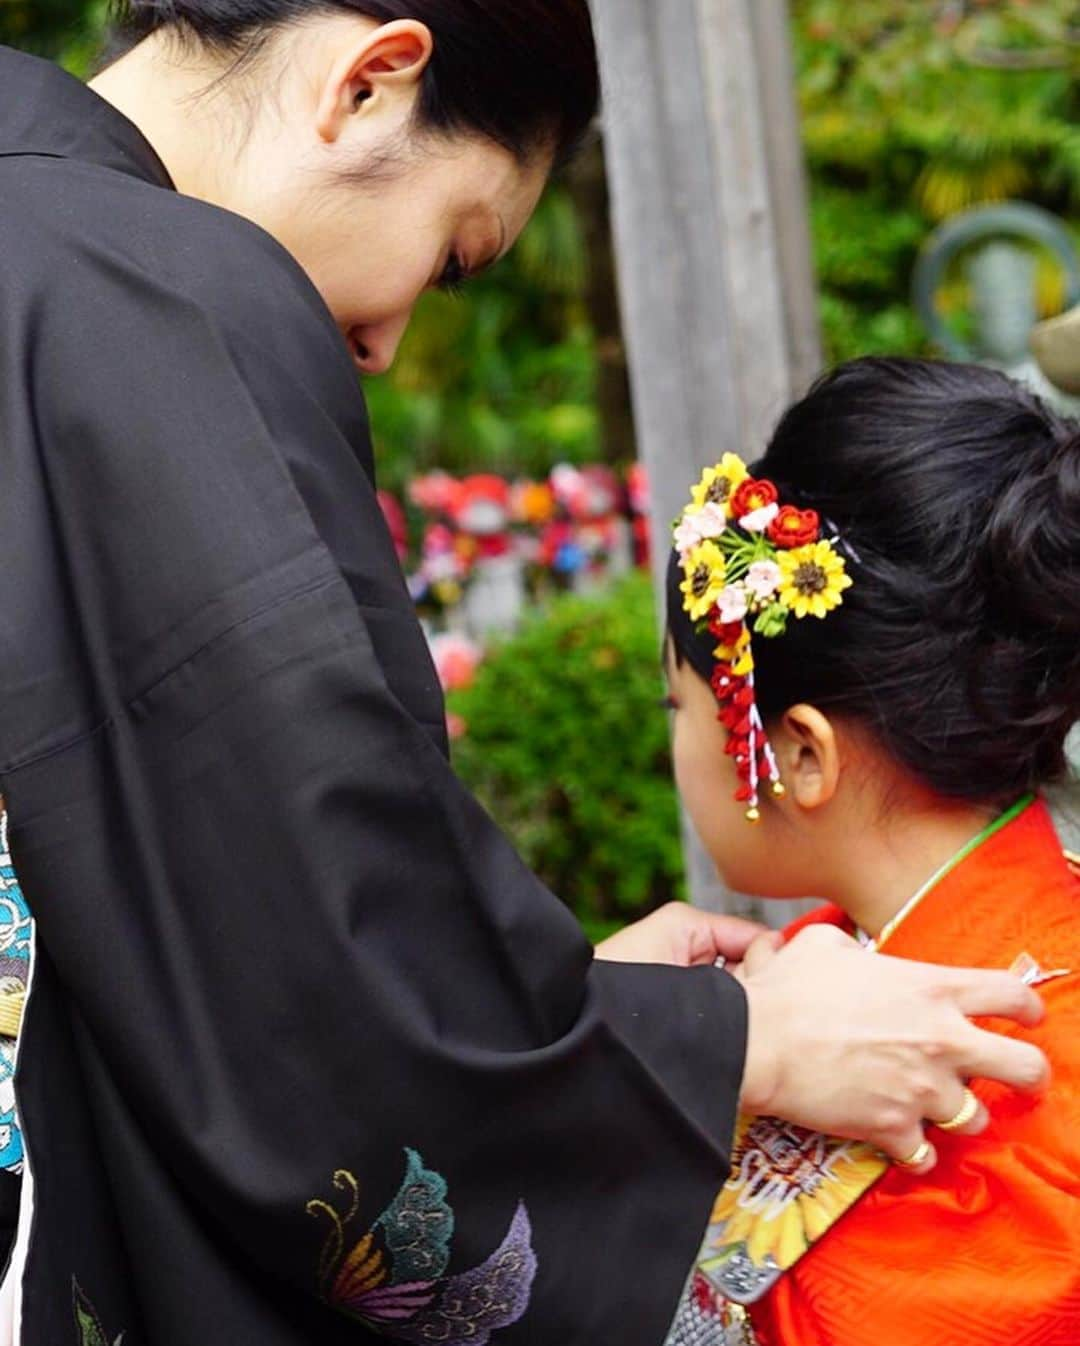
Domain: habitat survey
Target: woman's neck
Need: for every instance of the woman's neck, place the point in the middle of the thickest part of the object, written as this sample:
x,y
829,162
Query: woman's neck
x,y
164,97
882,867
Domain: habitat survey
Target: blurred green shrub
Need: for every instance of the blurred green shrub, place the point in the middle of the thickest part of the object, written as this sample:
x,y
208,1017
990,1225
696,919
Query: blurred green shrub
x,y
69,31
568,747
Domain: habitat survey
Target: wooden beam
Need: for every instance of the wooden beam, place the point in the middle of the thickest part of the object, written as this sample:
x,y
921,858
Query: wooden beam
x,y
710,217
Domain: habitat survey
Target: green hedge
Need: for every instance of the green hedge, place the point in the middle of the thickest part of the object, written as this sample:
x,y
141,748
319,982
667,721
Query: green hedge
x,y
568,746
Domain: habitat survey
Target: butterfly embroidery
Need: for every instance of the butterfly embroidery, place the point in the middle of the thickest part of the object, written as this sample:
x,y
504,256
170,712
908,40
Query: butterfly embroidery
x,y
392,1279
87,1323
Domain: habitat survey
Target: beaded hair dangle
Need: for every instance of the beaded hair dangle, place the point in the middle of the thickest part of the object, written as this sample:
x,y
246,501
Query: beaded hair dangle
x,y
749,565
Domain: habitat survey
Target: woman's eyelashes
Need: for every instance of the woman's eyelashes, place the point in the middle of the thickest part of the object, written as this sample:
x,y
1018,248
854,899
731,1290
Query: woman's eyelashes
x,y
455,274
668,703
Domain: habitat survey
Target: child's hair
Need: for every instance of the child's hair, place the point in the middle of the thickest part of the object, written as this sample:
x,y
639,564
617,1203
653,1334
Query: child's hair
x,y
956,495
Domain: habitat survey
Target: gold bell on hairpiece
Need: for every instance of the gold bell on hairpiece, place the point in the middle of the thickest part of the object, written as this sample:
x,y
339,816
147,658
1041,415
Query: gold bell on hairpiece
x,y
779,789
753,815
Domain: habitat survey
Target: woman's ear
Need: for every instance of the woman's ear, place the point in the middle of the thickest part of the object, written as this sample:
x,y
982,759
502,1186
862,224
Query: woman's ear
x,y
809,757
389,59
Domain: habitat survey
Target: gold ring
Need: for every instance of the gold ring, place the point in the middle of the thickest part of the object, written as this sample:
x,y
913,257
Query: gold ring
x,y
916,1160
964,1117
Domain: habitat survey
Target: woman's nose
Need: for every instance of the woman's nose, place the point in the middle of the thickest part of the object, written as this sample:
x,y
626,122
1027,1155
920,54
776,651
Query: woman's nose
x,y
376,344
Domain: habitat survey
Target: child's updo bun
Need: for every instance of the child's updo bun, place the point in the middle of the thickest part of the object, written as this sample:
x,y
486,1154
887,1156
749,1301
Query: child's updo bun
x,y
1031,561
1033,542
957,495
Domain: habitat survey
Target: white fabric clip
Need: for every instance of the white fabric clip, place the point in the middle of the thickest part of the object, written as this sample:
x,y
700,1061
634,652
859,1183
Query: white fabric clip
x,y
1031,974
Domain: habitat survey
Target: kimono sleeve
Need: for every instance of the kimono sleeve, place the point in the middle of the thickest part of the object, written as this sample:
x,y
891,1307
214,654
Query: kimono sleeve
x,y
327,1011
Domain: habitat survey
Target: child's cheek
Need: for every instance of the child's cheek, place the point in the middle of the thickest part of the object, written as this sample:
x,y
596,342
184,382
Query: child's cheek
x,y
707,783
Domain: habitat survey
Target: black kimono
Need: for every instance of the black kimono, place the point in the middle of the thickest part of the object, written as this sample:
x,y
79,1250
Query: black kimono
x,y
309,1056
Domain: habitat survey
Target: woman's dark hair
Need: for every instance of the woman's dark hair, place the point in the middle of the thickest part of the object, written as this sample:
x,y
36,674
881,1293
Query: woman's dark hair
x,y
520,72
956,494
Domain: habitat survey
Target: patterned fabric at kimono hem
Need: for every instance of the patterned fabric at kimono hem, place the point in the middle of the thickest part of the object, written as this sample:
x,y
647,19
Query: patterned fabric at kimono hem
x,y
705,1319
15,937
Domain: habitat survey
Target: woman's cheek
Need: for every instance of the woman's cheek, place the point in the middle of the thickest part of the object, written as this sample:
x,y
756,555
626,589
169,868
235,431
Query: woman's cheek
x,y
361,294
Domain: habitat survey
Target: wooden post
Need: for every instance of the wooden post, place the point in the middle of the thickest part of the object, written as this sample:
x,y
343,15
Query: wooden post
x,y
710,215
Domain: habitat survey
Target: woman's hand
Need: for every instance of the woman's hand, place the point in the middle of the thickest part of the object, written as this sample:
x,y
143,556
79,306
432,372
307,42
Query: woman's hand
x,y
862,1045
685,937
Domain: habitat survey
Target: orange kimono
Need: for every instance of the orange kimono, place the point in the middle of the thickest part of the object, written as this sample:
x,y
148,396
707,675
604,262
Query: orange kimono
x,y
986,1250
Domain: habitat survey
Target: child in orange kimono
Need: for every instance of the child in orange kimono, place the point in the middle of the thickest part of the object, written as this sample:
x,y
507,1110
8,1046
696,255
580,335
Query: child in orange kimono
x,y
887,612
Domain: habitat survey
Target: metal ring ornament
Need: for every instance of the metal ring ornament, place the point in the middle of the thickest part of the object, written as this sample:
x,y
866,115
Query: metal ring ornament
x,y
964,1117
1016,219
918,1158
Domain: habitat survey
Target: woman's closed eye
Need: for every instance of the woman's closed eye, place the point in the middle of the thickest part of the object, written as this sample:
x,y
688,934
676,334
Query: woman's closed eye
x,y
455,274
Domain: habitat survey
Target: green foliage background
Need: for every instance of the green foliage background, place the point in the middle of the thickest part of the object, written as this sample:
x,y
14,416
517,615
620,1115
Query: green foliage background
x,y
568,745
64,30
913,111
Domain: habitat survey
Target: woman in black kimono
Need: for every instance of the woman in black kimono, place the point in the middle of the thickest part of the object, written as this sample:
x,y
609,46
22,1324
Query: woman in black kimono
x,y
308,1055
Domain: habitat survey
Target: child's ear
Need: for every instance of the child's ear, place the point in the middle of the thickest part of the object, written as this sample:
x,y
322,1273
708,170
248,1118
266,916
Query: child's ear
x,y
809,757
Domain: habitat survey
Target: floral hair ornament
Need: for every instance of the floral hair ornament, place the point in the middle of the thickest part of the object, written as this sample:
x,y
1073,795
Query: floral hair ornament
x,y
750,565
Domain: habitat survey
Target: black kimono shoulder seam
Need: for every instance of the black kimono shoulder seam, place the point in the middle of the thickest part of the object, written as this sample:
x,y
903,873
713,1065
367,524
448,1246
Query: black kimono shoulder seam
x,y
29,154
281,601
8,769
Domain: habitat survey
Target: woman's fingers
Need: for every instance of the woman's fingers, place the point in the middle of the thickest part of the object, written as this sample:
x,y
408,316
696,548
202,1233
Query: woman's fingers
x,y
958,1111
682,936
762,951
985,1055
1000,995
713,937
910,1150
876,1048
961,1115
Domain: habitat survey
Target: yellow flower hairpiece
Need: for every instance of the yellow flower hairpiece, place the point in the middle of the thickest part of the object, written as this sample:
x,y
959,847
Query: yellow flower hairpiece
x,y
750,563
718,484
814,579
706,573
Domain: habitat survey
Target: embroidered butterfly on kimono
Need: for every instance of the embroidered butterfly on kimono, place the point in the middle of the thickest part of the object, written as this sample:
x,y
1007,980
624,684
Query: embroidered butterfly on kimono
x,y
87,1323
393,1278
